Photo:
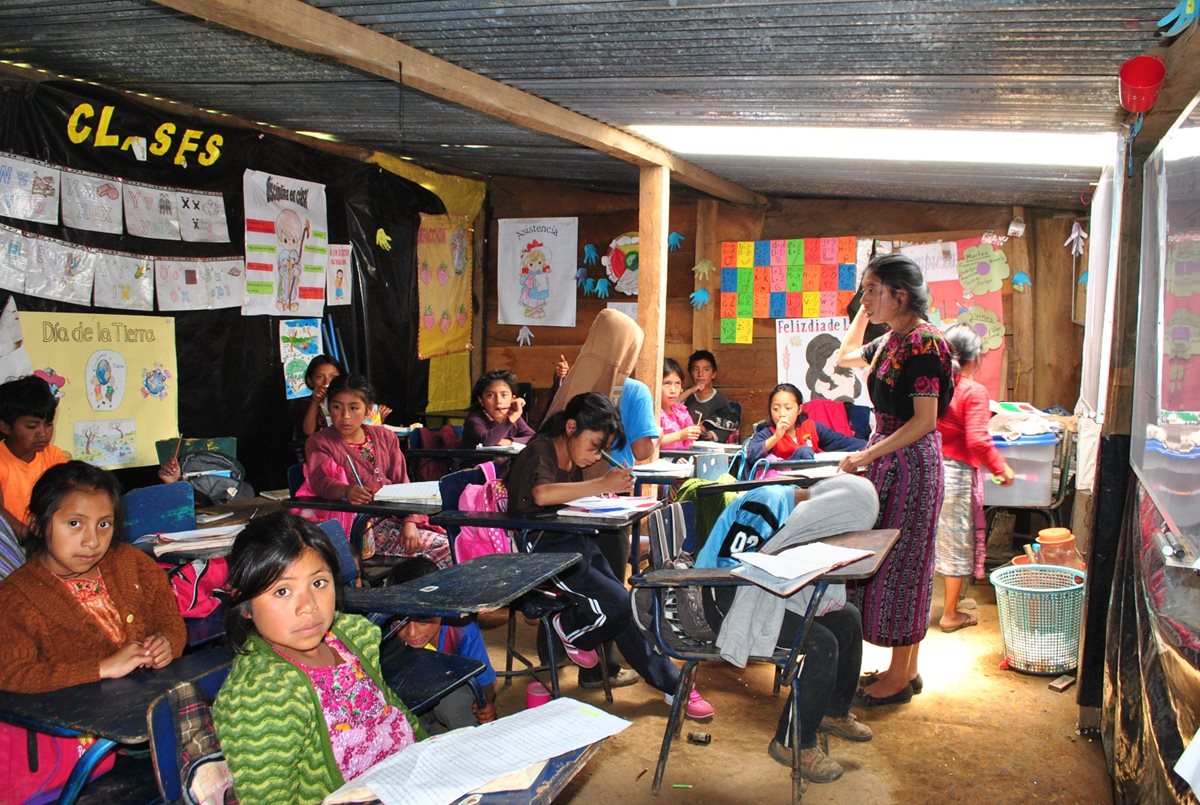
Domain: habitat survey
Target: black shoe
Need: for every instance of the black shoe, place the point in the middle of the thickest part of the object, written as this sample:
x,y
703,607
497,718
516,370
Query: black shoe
x,y
864,699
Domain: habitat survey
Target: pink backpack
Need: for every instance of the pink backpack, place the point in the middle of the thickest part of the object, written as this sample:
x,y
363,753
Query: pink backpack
x,y
491,496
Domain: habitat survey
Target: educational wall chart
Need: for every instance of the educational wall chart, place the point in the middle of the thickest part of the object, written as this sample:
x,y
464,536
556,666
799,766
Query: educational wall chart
x,y
795,278
28,189
123,281
299,343
536,271
339,276
117,381
57,270
806,356
1179,323
202,217
150,211
287,245
200,283
444,258
13,257
92,202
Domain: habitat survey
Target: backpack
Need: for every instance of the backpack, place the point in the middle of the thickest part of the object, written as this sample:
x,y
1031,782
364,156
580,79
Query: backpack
x,y
216,477
683,607
491,496
35,766
199,586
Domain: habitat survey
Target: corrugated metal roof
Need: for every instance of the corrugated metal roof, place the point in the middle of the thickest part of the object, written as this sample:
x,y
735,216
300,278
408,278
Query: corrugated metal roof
x,y
1036,65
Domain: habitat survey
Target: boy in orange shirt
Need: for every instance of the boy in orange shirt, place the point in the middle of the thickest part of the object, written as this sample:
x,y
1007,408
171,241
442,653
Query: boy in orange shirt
x,y
27,409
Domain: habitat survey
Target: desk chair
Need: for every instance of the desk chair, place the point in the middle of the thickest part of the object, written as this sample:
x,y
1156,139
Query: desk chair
x,y
541,605
160,508
674,622
349,568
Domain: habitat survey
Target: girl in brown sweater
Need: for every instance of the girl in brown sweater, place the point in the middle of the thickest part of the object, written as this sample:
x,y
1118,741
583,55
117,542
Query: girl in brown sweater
x,y
86,606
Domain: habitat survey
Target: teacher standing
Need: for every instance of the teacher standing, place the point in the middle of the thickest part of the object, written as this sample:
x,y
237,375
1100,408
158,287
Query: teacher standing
x,y
911,383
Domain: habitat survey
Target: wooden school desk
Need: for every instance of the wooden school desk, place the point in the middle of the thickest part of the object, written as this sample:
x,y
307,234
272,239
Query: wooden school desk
x,y
114,710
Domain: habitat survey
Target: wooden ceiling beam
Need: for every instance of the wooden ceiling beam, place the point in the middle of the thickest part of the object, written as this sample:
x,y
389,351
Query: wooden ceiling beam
x,y
302,27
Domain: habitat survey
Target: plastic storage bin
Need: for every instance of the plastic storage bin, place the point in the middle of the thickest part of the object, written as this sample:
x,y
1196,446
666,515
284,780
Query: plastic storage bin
x,y
1041,611
1032,459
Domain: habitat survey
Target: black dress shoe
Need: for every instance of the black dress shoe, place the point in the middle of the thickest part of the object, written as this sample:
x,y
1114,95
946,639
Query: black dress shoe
x,y
864,699
870,677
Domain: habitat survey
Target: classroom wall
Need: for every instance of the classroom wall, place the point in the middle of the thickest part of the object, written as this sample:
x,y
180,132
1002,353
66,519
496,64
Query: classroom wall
x,y
1043,346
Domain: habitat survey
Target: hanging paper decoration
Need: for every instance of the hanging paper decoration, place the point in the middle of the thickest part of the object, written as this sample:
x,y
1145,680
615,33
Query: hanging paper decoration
x,y
1076,239
602,288
524,336
581,276
150,211
1179,18
299,343
591,255
806,352
621,263
589,286
675,241
91,202
202,217
28,189
982,270
200,283
339,276
60,271
14,256
699,298
1021,282
124,282
444,258
287,245
535,271
702,269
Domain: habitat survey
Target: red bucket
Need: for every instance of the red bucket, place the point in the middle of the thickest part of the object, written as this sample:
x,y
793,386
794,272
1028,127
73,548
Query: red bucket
x,y
1140,78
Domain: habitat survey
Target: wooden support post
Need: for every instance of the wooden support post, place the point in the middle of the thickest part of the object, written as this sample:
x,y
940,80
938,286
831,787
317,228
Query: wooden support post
x,y
1020,364
707,248
654,200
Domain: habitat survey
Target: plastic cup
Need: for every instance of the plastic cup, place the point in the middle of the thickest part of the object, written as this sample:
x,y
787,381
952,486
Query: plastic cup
x,y
536,695
1140,79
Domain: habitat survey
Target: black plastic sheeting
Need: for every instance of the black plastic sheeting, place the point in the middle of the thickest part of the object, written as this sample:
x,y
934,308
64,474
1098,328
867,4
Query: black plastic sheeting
x,y
231,381
1152,668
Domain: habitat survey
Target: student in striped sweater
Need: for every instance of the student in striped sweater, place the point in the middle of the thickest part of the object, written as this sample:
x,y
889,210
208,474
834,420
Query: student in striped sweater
x,y
305,707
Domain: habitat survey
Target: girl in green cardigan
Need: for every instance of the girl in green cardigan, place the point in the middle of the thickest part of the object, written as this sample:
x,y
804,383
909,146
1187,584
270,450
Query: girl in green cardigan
x,y
305,706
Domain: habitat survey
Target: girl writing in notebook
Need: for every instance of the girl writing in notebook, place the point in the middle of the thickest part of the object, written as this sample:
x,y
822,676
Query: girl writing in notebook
x,y
352,461
305,706
550,472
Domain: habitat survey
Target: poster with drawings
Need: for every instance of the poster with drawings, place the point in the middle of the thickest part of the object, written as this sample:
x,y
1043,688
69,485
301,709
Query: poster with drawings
x,y
28,190
104,375
123,281
225,281
14,255
91,202
180,285
287,245
339,279
57,270
202,217
535,277
299,343
806,356
150,211
105,442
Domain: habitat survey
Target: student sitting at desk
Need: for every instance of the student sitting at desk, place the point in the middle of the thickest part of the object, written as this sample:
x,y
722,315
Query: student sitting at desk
x,y
84,607
27,409
497,413
314,414
705,403
305,706
550,472
678,429
351,461
791,435
459,708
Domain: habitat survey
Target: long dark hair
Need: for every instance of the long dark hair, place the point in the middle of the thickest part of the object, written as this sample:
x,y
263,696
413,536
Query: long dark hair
x,y
591,411
670,365
901,273
260,555
486,380
790,389
357,384
58,482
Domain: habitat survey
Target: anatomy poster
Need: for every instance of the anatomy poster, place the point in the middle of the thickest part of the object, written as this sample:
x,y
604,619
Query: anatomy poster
x,y
117,380
536,271
28,190
57,270
444,256
14,255
123,281
299,343
339,276
91,202
202,217
287,245
151,212
806,356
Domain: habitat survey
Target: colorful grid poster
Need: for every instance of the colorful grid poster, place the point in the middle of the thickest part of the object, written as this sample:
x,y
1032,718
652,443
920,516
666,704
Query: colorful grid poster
x,y
775,279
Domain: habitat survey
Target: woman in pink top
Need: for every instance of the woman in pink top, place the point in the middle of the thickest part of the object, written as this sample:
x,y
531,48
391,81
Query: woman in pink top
x,y
678,429
966,448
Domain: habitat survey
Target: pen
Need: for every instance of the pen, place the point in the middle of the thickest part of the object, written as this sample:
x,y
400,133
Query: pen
x,y
608,457
357,480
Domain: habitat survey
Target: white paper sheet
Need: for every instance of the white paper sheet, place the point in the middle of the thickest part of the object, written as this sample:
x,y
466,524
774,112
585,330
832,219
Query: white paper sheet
x,y
150,212
802,560
202,217
419,492
57,270
124,282
1188,765
91,202
28,189
447,766
666,467
14,257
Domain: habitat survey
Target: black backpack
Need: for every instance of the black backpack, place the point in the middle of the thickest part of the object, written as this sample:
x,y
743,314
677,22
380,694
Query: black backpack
x,y
216,477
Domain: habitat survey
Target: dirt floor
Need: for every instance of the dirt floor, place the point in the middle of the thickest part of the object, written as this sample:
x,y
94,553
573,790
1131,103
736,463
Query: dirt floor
x,y
976,734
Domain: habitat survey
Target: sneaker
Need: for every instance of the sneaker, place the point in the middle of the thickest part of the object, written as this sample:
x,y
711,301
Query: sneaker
x,y
848,728
697,708
592,678
815,765
584,658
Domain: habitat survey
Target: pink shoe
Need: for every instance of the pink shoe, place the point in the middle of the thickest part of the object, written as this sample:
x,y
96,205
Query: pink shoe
x,y
697,708
584,658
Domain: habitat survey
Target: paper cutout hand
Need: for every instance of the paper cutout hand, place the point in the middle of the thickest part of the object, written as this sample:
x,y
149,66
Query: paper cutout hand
x,y
581,276
675,241
590,255
1075,241
383,240
524,336
1021,281
589,286
1180,17
703,269
602,288
699,298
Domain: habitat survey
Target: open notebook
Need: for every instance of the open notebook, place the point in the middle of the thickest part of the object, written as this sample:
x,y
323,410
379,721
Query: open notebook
x,y
419,492
787,571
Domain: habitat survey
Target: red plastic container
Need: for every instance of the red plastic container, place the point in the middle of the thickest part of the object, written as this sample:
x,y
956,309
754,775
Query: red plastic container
x,y
1141,77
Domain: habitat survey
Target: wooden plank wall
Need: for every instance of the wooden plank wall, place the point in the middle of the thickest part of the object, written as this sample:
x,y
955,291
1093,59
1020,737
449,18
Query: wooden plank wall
x,y
1043,352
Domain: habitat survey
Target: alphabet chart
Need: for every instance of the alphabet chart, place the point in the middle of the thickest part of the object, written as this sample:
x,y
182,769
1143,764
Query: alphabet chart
x,y
28,189
91,202
202,217
150,212
124,282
